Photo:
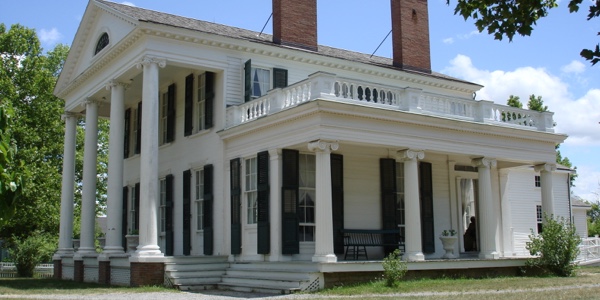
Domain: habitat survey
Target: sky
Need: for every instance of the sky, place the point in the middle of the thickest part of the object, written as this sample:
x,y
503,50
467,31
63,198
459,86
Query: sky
x,y
546,64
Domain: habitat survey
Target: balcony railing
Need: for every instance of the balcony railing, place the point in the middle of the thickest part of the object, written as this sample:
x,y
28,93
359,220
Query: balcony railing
x,y
328,86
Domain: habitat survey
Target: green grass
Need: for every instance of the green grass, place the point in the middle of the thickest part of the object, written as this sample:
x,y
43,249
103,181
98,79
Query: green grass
x,y
578,287
29,286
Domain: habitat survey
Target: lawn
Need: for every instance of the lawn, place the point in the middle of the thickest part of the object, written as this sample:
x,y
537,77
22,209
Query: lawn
x,y
35,286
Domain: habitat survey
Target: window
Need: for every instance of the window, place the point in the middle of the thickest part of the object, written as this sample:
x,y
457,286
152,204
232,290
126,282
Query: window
x,y
400,210
307,197
102,43
163,204
539,216
538,181
251,190
201,103
261,79
199,199
163,118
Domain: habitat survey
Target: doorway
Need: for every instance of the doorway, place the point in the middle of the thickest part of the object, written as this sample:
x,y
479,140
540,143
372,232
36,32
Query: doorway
x,y
468,197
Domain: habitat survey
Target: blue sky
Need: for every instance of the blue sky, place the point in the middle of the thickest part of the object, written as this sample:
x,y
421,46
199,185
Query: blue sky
x,y
546,64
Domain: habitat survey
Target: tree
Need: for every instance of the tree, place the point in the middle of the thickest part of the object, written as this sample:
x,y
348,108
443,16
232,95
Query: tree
x,y
506,18
536,104
27,79
513,101
10,180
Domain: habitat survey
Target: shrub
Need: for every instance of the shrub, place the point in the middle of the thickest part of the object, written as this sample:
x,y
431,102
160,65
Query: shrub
x,y
28,252
394,268
556,247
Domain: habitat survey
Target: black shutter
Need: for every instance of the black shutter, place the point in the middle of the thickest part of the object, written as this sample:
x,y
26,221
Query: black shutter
x,y
208,210
187,212
188,124
263,227
127,133
209,99
280,78
236,220
171,113
388,201
138,137
337,199
426,189
289,199
124,218
136,206
169,216
248,81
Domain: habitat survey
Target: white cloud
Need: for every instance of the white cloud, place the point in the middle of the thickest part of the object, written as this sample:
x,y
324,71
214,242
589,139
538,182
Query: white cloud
x,y
128,3
448,40
468,35
575,66
51,36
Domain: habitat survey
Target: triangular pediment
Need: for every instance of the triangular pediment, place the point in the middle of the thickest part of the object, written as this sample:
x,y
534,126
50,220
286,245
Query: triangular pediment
x,y
99,21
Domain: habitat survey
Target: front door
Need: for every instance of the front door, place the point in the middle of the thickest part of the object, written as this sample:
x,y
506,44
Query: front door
x,y
468,197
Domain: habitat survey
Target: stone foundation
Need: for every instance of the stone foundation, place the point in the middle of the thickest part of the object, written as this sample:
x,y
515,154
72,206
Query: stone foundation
x,y
147,273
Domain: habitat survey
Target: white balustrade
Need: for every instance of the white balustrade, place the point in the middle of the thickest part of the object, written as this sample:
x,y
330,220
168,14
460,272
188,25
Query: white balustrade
x,y
327,86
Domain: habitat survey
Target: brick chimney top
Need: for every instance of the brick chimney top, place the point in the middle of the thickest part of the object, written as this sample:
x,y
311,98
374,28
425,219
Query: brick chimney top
x,y
295,23
410,35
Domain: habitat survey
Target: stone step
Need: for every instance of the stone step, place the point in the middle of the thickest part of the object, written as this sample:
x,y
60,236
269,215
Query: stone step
x,y
196,267
268,275
251,288
263,283
197,274
191,260
278,266
196,281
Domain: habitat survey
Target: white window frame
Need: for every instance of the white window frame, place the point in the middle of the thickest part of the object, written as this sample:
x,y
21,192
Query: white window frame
x,y
307,187
199,198
539,213
132,195
134,129
163,117
200,104
264,83
537,181
251,190
163,205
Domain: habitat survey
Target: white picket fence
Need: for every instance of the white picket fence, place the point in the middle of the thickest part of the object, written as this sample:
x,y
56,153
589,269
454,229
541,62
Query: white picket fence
x,y
589,251
8,270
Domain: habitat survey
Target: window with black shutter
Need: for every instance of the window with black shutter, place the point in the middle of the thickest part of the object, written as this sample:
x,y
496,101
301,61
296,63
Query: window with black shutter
x,y
208,210
189,105
127,129
289,199
187,212
236,206
337,199
280,78
169,216
388,201
263,228
426,193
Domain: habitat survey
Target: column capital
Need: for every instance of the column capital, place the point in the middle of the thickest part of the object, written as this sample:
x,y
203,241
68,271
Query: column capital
x,y
485,162
90,100
69,114
545,168
274,153
113,82
147,60
323,146
409,154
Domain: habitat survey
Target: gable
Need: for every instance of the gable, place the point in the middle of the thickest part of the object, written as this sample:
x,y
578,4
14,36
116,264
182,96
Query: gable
x,y
97,20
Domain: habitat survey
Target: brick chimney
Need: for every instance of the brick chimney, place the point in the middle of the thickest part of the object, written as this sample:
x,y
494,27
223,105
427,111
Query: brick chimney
x,y
410,35
295,23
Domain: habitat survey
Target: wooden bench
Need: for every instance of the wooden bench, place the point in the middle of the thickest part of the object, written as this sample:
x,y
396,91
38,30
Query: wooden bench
x,y
356,241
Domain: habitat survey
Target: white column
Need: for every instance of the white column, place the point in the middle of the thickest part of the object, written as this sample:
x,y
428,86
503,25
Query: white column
x,y
323,206
546,184
65,242
88,194
149,201
487,216
412,206
114,206
275,203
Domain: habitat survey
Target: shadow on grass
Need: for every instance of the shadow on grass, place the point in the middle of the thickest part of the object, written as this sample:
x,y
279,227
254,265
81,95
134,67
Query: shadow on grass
x,y
46,284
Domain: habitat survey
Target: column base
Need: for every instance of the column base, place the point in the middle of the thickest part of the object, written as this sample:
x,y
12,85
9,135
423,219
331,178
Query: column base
x,y
148,251
113,250
63,252
489,255
415,256
327,258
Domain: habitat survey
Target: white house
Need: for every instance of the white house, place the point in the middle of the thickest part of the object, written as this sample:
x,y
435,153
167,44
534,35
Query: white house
x,y
254,153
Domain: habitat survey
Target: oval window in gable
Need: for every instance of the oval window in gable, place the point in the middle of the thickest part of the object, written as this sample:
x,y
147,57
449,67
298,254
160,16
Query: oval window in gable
x,y
102,42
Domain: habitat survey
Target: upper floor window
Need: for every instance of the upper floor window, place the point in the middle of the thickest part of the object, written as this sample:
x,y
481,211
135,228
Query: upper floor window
x,y
166,122
538,181
102,43
258,81
199,99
